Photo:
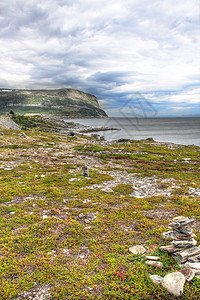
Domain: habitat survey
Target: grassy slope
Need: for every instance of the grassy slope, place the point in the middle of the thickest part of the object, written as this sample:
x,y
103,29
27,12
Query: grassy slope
x,y
63,251
69,102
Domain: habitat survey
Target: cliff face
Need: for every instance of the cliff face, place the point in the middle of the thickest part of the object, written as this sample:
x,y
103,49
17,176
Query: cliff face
x,y
67,102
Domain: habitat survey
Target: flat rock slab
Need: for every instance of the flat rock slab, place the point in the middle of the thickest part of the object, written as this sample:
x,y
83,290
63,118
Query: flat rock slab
x,y
154,263
138,249
174,283
169,249
184,243
183,256
150,257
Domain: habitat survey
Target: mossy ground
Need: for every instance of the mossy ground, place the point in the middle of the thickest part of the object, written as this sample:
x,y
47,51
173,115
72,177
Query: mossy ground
x,y
59,232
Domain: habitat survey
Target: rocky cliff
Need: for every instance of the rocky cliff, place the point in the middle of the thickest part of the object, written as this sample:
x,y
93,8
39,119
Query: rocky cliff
x,y
67,102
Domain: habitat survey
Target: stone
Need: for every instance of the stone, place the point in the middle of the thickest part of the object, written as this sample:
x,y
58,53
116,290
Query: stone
x,y
154,263
107,190
183,220
22,134
182,256
174,283
194,266
181,236
150,257
169,249
194,259
184,243
188,273
168,234
137,249
156,279
85,171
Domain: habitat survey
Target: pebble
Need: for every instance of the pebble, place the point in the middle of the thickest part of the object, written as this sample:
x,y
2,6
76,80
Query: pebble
x,y
174,283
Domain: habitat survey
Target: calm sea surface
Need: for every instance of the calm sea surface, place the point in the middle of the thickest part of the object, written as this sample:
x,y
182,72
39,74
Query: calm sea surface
x,y
185,131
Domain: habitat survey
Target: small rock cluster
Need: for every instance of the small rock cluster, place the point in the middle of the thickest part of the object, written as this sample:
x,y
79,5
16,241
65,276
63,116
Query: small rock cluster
x,y
183,248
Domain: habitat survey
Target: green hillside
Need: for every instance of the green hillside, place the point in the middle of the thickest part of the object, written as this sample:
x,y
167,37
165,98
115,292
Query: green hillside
x,y
67,102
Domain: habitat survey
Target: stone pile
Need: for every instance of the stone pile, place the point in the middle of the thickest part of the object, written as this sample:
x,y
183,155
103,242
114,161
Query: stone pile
x,y
183,246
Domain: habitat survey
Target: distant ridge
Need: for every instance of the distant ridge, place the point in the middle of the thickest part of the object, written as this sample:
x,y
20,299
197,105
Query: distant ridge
x,y
67,102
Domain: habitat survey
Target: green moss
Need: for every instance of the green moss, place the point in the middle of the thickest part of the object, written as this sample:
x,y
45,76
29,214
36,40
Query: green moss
x,y
48,232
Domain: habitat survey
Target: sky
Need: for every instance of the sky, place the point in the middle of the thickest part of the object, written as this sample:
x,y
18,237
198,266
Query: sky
x,y
138,57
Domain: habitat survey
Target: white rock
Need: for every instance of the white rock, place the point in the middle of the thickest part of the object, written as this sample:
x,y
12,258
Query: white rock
x,y
174,283
44,216
154,263
156,279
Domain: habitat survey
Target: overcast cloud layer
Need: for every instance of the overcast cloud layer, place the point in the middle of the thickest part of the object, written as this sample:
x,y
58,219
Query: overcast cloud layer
x,y
110,48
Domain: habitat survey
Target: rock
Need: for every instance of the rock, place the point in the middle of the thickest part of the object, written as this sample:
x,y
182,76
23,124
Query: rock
x,y
194,266
194,259
174,283
137,249
181,236
85,171
169,249
107,190
22,134
150,257
168,234
154,263
184,243
188,273
156,279
183,256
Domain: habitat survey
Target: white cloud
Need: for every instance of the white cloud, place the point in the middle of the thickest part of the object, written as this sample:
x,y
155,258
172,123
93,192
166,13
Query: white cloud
x,y
153,44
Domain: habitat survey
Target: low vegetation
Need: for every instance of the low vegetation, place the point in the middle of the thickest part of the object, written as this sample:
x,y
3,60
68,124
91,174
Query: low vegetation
x,y
61,232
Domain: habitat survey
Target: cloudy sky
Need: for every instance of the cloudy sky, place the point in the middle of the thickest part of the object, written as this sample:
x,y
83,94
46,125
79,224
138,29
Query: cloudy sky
x,y
134,55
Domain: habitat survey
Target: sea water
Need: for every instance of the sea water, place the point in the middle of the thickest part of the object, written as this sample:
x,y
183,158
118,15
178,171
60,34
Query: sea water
x,y
184,131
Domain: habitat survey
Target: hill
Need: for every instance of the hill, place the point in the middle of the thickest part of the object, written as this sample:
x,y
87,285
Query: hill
x,y
67,102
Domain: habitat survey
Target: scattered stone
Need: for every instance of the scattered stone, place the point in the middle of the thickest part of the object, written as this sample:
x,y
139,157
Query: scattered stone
x,y
137,249
107,190
38,292
150,257
174,283
154,263
22,134
44,217
156,279
188,273
74,179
